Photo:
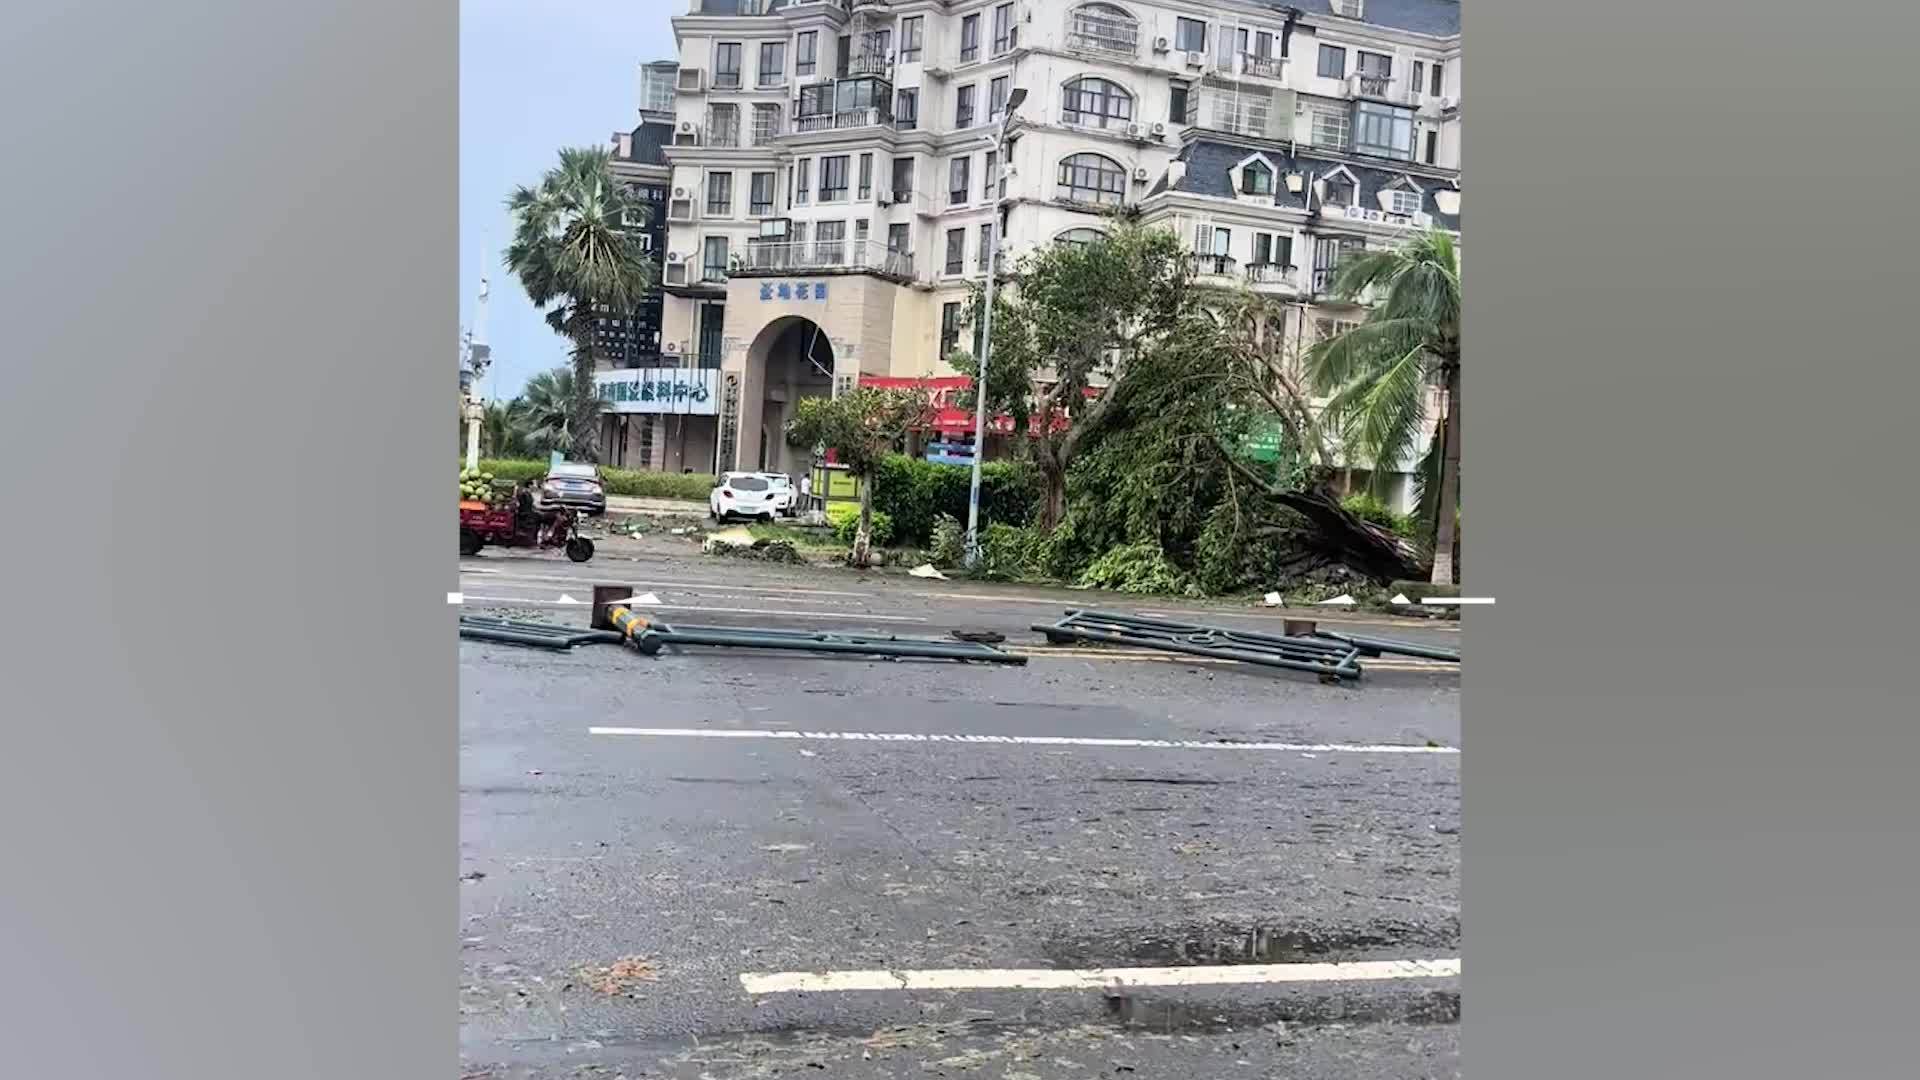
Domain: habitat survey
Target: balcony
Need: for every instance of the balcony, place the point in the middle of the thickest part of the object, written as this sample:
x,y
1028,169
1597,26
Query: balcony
x,y
1378,87
1212,266
870,256
1263,67
841,121
870,62
1272,277
1242,113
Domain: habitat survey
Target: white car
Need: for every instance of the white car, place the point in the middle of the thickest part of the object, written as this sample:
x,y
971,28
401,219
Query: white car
x,y
783,492
748,495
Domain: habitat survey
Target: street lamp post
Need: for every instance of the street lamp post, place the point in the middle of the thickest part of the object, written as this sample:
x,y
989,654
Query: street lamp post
x,y
986,332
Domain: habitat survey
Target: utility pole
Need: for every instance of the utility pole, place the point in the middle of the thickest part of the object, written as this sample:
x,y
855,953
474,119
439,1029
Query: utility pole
x,y
986,330
478,354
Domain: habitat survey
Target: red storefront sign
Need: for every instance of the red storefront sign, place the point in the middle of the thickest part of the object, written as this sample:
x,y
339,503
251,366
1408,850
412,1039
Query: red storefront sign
x,y
948,418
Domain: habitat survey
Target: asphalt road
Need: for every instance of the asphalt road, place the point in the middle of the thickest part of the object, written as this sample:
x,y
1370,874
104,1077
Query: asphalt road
x,y
615,887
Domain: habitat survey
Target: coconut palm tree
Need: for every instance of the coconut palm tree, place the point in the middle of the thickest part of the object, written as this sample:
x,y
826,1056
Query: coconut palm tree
x,y
502,432
1379,372
543,415
576,251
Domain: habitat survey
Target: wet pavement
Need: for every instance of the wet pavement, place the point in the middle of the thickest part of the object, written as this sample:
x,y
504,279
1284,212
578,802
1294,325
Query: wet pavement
x,y
615,887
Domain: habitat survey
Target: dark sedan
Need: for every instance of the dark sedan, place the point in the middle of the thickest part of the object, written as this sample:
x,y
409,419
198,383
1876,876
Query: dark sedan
x,y
576,486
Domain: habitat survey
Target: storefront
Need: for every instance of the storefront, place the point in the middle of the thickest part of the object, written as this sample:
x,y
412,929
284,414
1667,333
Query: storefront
x,y
663,419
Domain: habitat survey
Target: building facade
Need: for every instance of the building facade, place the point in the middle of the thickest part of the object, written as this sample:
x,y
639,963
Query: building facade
x,y
834,170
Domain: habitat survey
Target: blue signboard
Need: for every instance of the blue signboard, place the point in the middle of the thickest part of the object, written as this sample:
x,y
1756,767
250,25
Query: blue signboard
x,y
810,291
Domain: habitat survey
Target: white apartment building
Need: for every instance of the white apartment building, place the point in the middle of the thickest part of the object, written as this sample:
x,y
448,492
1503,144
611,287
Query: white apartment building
x,y
836,173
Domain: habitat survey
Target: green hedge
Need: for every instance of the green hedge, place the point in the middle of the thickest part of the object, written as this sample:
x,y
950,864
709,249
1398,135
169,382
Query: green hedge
x,y
914,493
626,482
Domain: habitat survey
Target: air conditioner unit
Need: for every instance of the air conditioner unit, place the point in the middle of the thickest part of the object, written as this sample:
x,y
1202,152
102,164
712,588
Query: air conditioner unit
x,y
1195,59
1159,129
736,261
677,274
679,193
1373,215
1448,103
673,347
1140,175
687,127
1133,131
884,198
674,257
1161,44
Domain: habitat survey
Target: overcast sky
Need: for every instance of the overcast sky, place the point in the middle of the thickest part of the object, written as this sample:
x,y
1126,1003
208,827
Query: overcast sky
x,y
536,75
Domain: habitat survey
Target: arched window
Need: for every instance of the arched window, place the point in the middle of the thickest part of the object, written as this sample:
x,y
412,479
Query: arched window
x,y
1079,237
1256,179
1090,178
1091,102
1103,28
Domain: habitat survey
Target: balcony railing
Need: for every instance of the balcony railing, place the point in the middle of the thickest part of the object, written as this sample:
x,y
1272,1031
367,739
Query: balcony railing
x,y
1212,264
827,255
1094,33
1264,67
1269,274
872,62
840,121
1373,86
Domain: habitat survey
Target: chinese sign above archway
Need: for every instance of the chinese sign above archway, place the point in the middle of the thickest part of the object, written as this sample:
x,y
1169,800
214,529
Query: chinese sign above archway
x,y
686,391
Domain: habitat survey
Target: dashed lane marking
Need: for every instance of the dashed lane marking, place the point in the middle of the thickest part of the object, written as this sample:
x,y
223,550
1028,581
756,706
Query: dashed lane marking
x,y
1096,978
1020,740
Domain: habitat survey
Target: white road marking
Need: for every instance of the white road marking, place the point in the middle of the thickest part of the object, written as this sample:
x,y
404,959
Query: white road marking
x,y
692,586
1096,978
1018,740
530,602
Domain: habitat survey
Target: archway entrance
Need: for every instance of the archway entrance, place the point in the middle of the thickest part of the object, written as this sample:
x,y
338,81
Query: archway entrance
x,y
790,359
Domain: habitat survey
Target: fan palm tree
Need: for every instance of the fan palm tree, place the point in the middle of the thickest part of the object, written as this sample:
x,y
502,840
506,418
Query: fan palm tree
x,y
544,413
577,251
1380,371
502,434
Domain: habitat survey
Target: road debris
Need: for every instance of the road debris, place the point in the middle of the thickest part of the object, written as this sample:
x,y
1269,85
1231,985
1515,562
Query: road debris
x,y
926,570
1331,660
620,976
650,637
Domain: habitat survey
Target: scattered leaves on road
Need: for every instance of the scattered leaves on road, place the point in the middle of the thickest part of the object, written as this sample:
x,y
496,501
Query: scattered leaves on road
x,y
621,975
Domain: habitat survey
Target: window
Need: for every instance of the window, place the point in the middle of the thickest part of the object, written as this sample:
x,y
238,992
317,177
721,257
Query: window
x,y
906,110
987,173
897,239
1339,191
1282,251
860,229
773,63
1003,31
1435,88
1090,178
1330,128
760,194
956,250
719,194
1189,35
902,178
997,98
949,329
963,108
1333,62
1180,104
1433,147
723,125
1403,201
1092,102
970,39
713,260
986,245
802,180
1262,45
1103,28
1262,249
1419,76
842,52
833,178
866,176
958,172
1079,237
1256,179
1374,65
1383,130
806,54
815,100
829,243
911,31
726,65
766,123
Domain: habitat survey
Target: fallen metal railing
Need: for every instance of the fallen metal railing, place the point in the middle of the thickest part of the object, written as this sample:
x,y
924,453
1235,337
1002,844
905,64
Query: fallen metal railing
x,y
1374,646
1331,659
538,634
649,637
